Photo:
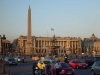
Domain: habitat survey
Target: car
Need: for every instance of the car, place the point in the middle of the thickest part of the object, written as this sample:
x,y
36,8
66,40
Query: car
x,y
76,63
10,61
91,59
19,58
95,68
65,69
50,59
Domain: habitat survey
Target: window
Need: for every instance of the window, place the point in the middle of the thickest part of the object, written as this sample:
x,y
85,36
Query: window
x,y
64,65
97,64
97,58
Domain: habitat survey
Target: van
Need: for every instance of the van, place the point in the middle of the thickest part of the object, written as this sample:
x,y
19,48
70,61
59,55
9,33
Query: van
x,y
91,59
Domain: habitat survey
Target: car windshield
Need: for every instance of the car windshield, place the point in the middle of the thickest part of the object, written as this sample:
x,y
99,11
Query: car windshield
x,y
11,60
52,58
79,61
64,65
45,62
97,58
19,57
54,61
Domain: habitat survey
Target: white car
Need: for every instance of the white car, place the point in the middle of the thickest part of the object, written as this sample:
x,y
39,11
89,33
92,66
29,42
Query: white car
x,y
19,58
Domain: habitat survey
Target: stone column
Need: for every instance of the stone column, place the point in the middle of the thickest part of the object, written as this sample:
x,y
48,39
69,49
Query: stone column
x,y
44,43
38,45
63,43
72,46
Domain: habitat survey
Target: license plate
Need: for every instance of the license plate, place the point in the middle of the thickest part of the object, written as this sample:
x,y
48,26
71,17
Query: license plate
x,y
69,73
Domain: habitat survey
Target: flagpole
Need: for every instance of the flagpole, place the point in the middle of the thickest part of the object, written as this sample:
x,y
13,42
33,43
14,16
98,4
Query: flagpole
x,y
52,30
47,33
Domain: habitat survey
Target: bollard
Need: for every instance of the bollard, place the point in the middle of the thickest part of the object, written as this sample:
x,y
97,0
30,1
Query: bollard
x,y
8,71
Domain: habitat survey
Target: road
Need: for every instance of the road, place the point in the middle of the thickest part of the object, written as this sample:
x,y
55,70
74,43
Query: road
x,y
20,67
77,72
26,69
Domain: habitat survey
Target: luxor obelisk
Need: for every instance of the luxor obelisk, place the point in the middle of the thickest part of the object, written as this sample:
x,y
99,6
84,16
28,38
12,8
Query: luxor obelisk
x,y
29,37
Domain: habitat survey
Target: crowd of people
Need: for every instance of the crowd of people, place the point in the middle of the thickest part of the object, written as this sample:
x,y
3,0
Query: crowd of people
x,y
47,69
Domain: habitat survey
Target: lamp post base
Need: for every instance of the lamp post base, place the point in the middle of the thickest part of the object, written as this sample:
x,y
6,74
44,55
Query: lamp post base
x,y
2,71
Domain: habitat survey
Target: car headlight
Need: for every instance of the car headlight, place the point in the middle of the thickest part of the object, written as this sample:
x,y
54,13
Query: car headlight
x,y
62,71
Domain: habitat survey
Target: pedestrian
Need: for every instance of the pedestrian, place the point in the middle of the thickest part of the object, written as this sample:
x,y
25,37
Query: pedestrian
x,y
24,60
58,67
48,70
66,60
76,56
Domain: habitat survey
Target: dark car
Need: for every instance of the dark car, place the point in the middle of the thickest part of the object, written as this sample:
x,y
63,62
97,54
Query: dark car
x,y
51,59
90,60
10,61
95,68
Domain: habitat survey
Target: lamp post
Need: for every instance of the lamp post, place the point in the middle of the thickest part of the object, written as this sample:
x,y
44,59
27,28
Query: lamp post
x,y
3,63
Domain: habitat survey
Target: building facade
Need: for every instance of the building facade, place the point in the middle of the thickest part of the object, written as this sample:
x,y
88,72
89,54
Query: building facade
x,y
41,45
96,49
4,44
88,44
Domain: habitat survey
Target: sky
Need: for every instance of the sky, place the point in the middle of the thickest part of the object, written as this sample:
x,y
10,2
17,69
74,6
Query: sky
x,y
73,18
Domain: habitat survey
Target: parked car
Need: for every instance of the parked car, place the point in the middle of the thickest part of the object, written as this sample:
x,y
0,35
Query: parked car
x,y
50,59
10,61
19,58
90,60
65,69
76,63
95,68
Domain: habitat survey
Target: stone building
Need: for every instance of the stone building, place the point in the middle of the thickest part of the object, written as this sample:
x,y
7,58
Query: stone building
x,y
40,45
29,45
88,44
4,44
96,49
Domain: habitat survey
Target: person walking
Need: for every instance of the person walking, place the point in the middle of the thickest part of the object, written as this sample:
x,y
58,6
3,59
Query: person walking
x,y
66,60
58,67
48,70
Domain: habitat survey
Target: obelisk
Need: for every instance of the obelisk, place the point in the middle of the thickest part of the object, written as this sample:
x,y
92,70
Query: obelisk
x,y
29,37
